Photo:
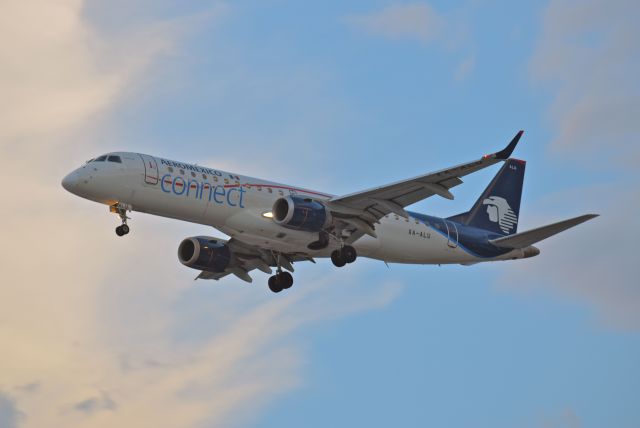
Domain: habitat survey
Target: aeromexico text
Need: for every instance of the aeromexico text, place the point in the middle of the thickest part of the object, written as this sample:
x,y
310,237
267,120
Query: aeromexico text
x,y
194,168
232,194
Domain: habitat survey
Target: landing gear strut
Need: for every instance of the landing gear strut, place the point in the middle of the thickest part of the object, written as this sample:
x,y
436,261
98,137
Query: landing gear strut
x,y
346,254
121,210
280,281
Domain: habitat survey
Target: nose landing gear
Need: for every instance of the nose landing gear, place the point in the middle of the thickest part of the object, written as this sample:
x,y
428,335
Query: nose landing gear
x,y
121,210
346,254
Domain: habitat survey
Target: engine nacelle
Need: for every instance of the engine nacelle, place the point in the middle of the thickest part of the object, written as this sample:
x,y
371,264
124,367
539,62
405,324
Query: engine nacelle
x,y
299,213
204,253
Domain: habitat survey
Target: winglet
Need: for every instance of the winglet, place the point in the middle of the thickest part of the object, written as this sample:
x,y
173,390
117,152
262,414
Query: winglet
x,y
506,152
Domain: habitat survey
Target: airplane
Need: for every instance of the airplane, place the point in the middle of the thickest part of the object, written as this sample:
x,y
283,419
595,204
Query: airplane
x,y
273,225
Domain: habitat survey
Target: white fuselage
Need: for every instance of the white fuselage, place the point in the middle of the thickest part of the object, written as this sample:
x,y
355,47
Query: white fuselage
x,y
236,205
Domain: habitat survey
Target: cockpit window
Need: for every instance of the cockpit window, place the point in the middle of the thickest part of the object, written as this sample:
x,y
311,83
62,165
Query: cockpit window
x,y
115,159
101,158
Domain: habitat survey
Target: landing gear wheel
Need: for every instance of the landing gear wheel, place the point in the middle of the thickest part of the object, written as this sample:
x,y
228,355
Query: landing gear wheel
x,y
349,254
119,231
337,258
280,281
274,284
285,279
125,229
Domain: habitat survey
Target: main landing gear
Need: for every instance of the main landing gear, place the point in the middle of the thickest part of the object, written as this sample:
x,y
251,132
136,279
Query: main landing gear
x,y
346,254
121,210
280,281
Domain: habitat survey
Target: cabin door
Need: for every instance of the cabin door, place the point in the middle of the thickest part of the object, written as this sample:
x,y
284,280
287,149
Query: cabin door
x,y
150,169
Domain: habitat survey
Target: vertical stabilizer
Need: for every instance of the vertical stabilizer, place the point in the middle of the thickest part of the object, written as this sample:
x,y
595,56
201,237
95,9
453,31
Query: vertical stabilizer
x,y
498,208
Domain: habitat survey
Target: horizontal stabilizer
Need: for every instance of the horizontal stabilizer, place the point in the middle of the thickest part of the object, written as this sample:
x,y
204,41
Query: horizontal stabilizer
x,y
530,237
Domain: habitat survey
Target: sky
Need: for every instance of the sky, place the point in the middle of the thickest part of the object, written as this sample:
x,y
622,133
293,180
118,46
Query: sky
x,y
99,331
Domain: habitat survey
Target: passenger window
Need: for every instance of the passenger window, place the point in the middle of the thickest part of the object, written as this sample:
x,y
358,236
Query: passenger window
x,y
204,176
270,190
193,174
215,178
100,158
170,169
115,159
182,171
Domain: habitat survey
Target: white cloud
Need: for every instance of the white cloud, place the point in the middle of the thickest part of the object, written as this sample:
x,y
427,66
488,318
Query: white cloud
x,y
594,263
93,329
465,68
588,53
417,21
56,73
587,56
567,418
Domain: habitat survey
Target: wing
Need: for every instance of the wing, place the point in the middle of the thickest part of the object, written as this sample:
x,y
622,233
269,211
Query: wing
x,y
247,258
362,209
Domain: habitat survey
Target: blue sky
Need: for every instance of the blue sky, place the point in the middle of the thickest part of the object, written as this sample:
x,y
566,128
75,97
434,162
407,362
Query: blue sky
x,y
336,96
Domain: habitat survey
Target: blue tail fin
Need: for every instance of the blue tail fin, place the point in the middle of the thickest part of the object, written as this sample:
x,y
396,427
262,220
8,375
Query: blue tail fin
x,y
498,208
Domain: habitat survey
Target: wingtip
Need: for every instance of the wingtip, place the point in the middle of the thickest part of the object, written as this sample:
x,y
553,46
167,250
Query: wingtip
x,y
586,217
506,152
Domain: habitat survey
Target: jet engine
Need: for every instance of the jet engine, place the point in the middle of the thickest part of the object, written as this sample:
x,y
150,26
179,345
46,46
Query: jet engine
x,y
299,213
204,253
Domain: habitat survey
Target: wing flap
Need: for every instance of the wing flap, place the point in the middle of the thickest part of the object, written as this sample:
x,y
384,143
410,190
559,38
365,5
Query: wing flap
x,y
530,237
211,275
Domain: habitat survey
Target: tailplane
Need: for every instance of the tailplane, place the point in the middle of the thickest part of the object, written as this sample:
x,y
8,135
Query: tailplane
x,y
498,208
530,237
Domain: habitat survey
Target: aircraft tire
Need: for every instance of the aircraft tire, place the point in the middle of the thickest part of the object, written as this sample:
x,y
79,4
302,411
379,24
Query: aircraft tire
x,y
337,259
125,229
119,231
286,280
349,254
274,284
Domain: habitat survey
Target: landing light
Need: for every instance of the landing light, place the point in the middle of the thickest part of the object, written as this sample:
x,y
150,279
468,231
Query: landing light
x,y
267,214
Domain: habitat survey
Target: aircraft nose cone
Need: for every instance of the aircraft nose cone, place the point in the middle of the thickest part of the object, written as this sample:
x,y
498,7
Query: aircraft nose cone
x,y
70,182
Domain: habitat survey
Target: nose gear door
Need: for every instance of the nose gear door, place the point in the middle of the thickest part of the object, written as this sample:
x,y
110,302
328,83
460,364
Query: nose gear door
x,y
150,169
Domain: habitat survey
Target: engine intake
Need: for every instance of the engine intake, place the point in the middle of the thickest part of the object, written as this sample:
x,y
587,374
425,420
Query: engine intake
x,y
204,253
299,213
